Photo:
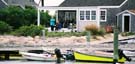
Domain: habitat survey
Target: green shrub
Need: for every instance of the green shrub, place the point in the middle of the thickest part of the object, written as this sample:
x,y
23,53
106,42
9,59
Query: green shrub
x,y
31,30
4,27
64,34
101,32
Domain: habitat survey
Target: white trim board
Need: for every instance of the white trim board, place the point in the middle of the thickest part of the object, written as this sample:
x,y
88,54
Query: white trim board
x,y
123,3
4,2
124,22
124,12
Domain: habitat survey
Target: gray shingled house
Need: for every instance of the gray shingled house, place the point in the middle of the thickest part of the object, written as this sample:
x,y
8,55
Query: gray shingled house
x,y
99,12
21,3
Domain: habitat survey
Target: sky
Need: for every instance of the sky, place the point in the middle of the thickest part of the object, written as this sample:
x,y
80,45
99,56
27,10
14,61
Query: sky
x,y
51,3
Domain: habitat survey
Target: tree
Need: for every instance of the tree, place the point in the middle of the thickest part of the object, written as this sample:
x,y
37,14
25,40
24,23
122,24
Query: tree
x,y
17,17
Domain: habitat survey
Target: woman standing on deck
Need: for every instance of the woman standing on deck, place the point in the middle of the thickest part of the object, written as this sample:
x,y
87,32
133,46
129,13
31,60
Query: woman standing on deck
x,y
52,23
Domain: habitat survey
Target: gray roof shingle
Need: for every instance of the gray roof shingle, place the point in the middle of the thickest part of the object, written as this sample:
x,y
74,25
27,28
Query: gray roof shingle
x,y
2,5
76,3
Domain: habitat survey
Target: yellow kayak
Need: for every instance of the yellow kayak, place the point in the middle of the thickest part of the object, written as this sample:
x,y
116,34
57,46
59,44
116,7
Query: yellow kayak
x,y
93,58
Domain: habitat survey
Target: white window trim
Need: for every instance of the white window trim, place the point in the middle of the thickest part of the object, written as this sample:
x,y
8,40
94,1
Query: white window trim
x,y
85,15
124,22
93,15
105,15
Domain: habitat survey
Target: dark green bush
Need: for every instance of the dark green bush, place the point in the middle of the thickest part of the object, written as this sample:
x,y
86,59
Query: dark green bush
x,y
65,34
101,32
4,27
31,30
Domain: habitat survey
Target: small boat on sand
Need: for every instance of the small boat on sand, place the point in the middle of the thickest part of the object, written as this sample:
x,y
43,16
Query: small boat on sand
x,y
93,58
38,55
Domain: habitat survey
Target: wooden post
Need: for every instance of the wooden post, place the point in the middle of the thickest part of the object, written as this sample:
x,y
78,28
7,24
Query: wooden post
x,y
88,38
115,57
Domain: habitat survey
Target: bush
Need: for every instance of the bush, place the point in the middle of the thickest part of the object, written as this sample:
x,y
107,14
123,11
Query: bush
x,y
31,30
4,27
101,32
92,28
95,30
64,34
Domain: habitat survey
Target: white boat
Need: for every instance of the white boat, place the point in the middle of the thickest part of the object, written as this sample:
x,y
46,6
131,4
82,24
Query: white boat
x,y
38,55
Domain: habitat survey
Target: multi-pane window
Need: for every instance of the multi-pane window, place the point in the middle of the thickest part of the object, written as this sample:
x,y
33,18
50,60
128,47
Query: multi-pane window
x,y
31,0
93,15
103,14
81,15
88,15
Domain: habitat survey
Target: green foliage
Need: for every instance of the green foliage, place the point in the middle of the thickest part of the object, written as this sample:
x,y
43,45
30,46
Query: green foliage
x,y
4,27
101,32
17,17
65,34
127,33
31,30
45,18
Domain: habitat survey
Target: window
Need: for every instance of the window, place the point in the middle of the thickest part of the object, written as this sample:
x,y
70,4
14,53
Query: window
x,y
81,15
31,0
103,15
88,15
93,15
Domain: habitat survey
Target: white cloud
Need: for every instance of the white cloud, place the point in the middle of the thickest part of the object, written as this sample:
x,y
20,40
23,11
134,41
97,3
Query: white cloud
x,y
51,2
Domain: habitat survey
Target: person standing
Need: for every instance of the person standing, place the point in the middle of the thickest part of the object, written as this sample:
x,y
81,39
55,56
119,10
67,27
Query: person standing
x,y
52,23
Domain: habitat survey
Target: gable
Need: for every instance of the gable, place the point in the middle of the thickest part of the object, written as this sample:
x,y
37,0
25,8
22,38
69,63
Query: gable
x,y
2,4
128,11
76,3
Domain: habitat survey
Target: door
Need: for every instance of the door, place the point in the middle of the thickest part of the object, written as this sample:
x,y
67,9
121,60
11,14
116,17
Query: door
x,y
66,17
126,22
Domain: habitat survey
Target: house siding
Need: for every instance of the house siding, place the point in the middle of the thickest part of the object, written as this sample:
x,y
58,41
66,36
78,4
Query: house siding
x,y
130,4
2,5
111,17
119,21
132,23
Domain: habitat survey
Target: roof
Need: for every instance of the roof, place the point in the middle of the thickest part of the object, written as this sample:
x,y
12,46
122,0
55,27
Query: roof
x,y
2,4
133,11
76,3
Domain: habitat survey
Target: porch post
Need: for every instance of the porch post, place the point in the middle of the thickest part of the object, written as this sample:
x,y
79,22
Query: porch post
x,y
77,19
38,17
98,17
115,53
57,16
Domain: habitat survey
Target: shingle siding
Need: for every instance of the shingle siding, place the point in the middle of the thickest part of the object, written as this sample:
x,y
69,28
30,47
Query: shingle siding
x,y
132,23
119,21
111,16
130,4
76,3
2,5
